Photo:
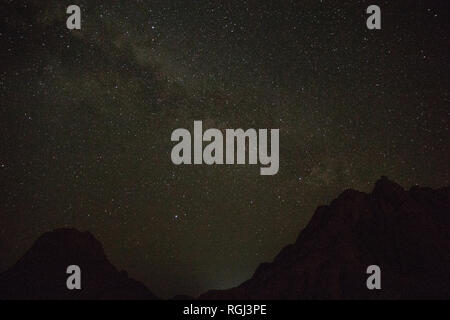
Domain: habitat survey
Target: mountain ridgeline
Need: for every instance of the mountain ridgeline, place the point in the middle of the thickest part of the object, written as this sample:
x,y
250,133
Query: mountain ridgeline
x,y
405,233
41,272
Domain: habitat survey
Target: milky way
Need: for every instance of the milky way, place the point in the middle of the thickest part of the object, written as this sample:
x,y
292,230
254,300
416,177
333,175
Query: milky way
x,y
87,115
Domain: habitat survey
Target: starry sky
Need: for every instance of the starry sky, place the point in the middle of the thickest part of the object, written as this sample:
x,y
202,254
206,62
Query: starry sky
x,y
86,118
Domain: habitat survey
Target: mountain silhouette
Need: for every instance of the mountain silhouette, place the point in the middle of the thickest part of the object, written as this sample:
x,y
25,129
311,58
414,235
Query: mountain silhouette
x,y
41,272
405,233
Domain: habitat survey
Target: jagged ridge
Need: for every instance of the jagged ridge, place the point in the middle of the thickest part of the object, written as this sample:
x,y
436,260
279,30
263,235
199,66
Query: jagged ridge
x,y
406,233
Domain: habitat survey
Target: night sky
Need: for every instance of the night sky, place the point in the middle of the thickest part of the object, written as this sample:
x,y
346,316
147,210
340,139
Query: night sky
x,y
86,119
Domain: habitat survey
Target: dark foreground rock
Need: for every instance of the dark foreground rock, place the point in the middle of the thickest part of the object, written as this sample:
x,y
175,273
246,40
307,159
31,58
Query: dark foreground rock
x,y
405,233
41,272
